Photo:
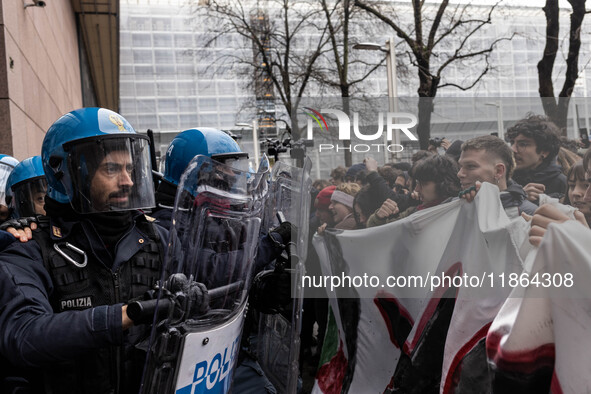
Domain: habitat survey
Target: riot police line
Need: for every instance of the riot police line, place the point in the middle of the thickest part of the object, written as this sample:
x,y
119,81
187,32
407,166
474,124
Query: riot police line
x,y
126,287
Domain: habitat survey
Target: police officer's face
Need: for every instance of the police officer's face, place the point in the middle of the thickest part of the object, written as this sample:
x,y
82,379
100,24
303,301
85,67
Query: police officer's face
x,y
112,182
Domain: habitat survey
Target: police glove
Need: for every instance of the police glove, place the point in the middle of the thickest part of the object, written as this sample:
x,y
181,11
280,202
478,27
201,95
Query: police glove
x,y
190,296
19,224
284,230
185,298
271,291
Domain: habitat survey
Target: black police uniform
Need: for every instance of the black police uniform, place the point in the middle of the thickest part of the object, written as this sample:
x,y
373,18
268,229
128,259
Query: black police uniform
x,y
63,317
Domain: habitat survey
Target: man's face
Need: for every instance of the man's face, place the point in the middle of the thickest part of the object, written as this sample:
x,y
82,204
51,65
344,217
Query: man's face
x,y
39,202
427,191
525,153
476,165
111,185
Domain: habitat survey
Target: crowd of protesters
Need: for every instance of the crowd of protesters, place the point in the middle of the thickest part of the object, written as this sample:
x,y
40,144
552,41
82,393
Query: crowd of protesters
x,y
534,160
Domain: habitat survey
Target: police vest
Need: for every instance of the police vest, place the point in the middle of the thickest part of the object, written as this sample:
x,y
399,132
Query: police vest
x,y
79,286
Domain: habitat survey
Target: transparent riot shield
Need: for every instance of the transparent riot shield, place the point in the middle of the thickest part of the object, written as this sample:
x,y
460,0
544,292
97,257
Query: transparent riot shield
x,y
201,302
278,342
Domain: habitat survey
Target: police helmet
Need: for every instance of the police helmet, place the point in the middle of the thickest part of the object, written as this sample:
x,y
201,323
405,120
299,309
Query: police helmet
x,y
201,141
94,160
27,186
7,164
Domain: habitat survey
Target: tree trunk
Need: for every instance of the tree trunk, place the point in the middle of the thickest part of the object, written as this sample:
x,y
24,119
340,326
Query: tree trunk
x,y
546,64
427,92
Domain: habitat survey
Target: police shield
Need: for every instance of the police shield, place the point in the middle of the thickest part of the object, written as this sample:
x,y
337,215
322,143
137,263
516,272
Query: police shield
x,y
278,342
202,296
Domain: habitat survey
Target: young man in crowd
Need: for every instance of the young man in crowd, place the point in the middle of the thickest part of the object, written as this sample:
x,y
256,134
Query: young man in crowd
x,y
489,159
535,143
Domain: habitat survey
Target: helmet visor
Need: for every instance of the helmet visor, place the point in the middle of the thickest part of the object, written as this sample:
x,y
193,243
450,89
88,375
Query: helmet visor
x,y
110,173
29,197
5,170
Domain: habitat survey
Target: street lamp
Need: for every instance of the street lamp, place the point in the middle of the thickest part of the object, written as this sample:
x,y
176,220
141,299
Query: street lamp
x,y
391,78
255,140
500,128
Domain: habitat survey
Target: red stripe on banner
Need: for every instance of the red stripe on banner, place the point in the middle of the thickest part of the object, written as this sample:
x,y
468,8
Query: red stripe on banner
x,y
461,354
555,385
430,309
401,310
330,376
524,361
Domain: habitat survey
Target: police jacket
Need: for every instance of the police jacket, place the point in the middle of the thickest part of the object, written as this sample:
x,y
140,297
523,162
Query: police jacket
x,y
62,296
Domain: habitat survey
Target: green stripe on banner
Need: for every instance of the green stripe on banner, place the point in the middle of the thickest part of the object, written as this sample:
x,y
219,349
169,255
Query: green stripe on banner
x,y
331,340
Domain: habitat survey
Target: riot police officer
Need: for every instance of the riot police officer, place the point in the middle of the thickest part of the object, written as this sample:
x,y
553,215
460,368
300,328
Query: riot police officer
x,y
222,148
64,294
7,164
26,188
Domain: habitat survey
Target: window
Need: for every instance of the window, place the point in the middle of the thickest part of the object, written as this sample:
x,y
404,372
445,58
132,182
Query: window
x,y
162,40
168,122
186,88
226,87
187,121
163,56
145,89
141,40
166,89
187,105
146,106
142,56
167,105
208,104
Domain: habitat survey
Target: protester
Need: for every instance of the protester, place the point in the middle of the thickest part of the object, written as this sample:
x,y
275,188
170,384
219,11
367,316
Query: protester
x,y
566,159
364,204
436,182
535,144
548,213
337,175
320,184
575,192
341,207
489,159
321,204
64,293
353,172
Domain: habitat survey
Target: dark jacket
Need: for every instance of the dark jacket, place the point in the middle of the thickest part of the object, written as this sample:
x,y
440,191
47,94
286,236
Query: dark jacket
x,y
66,320
550,175
515,197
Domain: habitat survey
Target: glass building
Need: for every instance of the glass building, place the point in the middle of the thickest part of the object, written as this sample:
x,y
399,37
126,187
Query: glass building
x,y
170,80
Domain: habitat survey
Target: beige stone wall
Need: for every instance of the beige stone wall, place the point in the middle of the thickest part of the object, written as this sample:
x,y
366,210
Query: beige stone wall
x,y
39,72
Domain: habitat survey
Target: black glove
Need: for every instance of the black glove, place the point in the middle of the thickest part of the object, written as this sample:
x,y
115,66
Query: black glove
x,y
18,224
284,230
191,296
271,291
187,298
